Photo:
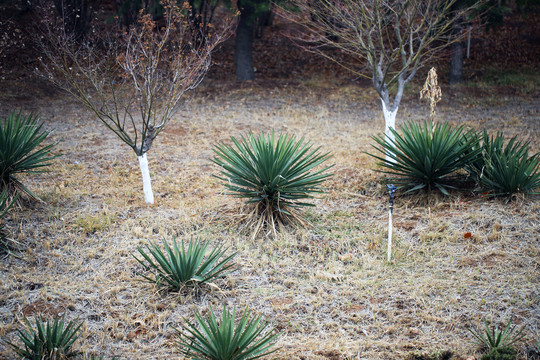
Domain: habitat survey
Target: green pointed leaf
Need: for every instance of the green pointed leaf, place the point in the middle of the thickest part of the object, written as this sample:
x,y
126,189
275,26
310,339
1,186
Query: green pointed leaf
x,y
177,267
21,151
272,173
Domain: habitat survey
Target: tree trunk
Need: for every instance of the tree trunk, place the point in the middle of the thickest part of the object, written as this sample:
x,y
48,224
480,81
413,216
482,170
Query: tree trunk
x,y
389,123
264,20
147,183
244,42
456,57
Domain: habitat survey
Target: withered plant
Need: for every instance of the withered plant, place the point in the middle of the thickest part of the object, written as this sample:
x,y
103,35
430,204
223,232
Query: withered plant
x,y
431,92
133,81
387,40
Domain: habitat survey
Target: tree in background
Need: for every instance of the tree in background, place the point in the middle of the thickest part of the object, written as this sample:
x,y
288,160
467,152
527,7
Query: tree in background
x,y
253,16
492,13
250,11
389,40
76,16
134,81
201,14
128,10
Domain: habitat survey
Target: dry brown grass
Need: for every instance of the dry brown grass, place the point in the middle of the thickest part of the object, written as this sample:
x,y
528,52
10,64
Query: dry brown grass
x,y
327,288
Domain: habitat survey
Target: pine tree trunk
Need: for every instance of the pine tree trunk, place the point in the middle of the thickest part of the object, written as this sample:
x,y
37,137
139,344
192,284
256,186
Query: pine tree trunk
x,y
147,182
244,43
456,58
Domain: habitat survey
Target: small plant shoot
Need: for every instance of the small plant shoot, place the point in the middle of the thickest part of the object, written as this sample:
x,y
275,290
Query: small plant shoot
x,y
226,338
47,340
177,267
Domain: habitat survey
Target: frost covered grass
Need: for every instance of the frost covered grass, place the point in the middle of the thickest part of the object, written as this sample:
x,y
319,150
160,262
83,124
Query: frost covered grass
x,y
327,288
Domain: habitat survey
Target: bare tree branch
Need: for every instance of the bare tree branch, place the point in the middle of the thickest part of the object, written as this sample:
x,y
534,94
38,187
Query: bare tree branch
x,y
388,40
393,37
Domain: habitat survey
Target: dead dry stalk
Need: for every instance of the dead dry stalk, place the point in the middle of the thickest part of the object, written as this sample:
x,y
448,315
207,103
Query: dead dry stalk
x,y
431,91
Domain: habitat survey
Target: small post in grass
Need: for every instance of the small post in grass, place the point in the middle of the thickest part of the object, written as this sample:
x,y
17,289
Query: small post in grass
x,y
391,190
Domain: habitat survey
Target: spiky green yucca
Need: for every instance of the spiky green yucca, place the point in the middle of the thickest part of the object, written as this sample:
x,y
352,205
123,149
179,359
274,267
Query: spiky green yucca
x,y
212,339
428,156
20,137
276,175
502,353
505,170
491,339
178,267
47,341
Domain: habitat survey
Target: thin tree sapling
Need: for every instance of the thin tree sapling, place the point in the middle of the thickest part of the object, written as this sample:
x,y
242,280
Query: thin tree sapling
x,y
133,81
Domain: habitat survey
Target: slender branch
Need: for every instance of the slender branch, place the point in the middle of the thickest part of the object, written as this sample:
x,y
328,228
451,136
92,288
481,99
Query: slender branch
x,y
134,81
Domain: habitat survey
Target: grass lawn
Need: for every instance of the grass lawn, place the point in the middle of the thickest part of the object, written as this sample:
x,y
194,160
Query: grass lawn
x,y
328,287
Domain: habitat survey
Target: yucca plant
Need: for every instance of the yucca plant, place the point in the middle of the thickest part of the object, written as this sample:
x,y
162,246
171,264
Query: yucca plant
x,y
177,267
224,339
501,353
427,156
505,170
491,339
275,176
47,341
20,137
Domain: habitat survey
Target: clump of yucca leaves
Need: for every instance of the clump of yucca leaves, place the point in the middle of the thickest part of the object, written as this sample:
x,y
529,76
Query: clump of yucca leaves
x,y
427,156
177,267
501,353
20,137
502,169
275,176
498,343
225,338
47,341
436,355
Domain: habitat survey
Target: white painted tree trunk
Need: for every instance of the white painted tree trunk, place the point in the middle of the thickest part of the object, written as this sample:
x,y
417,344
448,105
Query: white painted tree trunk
x,y
147,183
389,123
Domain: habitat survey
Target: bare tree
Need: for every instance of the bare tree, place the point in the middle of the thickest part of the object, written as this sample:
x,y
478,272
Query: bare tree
x,y
76,15
388,39
134,81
